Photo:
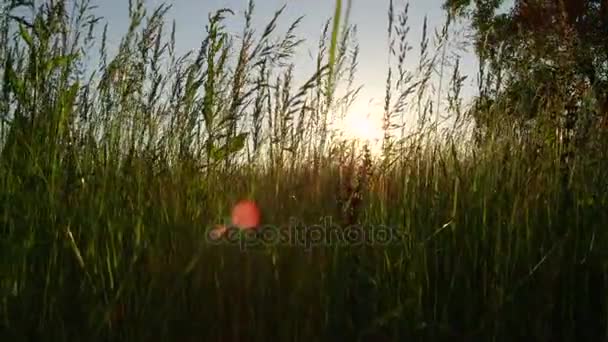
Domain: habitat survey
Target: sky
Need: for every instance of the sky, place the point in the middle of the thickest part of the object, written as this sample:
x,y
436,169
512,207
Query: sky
x,y
370,16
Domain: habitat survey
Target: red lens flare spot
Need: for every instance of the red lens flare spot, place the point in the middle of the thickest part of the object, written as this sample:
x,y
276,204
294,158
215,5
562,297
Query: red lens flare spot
x,y
246,215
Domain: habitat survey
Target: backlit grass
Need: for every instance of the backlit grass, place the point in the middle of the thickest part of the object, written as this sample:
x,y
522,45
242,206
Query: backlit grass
x,y
112,175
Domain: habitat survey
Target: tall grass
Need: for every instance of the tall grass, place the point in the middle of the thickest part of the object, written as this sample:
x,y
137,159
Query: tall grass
x,y
111,175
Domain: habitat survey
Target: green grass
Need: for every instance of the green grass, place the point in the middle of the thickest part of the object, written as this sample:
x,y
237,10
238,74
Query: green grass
x,y
109,185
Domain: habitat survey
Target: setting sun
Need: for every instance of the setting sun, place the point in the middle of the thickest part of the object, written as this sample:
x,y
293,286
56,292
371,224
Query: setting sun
x,y
356,125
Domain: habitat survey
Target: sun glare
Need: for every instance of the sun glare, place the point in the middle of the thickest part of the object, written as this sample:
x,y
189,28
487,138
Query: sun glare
x,y
365,128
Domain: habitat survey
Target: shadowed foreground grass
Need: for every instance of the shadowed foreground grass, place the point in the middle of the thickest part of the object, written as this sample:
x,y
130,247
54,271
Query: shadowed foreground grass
x,y
109,189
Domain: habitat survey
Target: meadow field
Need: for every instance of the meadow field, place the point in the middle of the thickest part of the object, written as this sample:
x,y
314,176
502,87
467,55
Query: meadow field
x,y
470,224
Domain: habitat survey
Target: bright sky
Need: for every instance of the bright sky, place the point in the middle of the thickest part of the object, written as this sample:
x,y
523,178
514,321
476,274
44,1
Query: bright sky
x,y
369,15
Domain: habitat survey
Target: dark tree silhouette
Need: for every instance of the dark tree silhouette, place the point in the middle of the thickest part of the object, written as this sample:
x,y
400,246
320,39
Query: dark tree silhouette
x,y
568,38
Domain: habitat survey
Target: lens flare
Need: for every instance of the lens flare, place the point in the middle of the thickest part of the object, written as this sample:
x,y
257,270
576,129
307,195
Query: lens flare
x,y
246,215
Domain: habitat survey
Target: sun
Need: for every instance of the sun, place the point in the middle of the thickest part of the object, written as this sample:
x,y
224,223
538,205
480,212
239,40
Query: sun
x,y
365,128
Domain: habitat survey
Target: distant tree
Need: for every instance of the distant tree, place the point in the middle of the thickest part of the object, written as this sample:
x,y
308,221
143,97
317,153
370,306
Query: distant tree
x,y
542,56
